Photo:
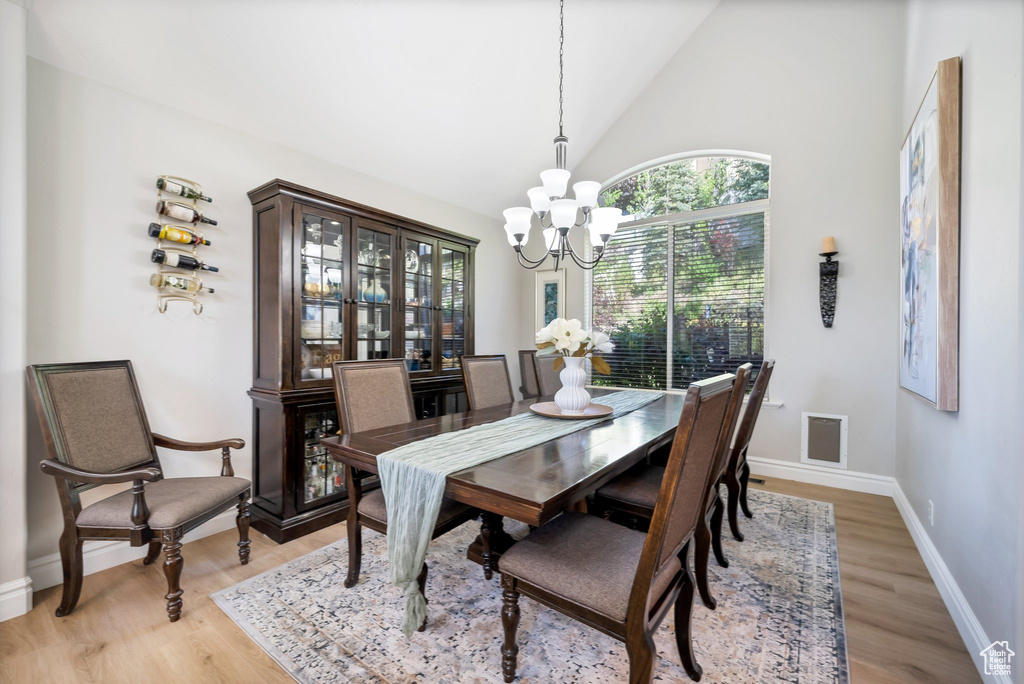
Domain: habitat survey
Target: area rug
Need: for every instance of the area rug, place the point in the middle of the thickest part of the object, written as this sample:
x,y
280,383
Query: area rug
x,y
779,615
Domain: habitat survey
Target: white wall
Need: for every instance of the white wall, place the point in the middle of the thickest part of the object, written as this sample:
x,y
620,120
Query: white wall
x,y
969,463
95,155
15,591
816,86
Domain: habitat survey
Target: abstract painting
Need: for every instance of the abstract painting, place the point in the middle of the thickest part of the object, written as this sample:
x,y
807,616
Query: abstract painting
x,y
550,296
930,243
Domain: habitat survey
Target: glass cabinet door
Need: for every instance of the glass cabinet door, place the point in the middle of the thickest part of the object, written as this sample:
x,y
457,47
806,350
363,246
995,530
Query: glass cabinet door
x,y
321,311
418,264
321,476
373,288
454,305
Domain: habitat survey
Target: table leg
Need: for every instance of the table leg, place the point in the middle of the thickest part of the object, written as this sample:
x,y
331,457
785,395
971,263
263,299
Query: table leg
x,y
492,542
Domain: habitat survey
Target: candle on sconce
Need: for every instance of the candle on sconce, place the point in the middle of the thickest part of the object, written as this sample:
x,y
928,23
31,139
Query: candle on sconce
x,y
828,244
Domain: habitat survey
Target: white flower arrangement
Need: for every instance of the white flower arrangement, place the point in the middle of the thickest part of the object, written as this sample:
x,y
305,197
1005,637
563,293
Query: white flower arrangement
x,y
568,338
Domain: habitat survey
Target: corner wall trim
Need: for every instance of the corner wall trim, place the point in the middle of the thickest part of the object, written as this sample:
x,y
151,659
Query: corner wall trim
x,y
101,555
15,598
855,481
966,621
973,634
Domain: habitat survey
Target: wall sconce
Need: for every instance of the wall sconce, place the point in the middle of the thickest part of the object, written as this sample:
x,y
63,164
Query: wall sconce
x,y
828,274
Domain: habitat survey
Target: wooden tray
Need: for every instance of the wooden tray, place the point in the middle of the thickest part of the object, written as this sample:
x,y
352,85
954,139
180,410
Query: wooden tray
x,y
551,410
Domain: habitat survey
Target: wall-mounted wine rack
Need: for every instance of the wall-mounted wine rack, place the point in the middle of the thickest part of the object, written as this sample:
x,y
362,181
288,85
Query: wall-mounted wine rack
x,y
177,246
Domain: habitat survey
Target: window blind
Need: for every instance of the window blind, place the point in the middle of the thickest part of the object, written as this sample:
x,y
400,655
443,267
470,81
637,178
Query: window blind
x,y
706,277
718,297
630,303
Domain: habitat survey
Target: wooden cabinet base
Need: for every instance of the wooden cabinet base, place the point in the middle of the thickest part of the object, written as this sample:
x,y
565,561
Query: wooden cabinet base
x,y
285,530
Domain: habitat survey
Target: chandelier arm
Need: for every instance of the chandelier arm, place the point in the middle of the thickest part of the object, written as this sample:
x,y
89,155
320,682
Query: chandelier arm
x,y
580,261
530,264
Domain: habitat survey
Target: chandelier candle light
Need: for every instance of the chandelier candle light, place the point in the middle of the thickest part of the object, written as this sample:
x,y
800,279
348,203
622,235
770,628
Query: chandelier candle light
x,y
556,212
573,344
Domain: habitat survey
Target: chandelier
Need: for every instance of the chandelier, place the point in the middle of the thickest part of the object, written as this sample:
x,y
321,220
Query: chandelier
x,y
556,213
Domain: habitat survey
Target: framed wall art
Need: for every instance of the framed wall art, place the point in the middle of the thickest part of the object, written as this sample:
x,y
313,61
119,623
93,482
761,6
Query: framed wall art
x,y
550,289
930,244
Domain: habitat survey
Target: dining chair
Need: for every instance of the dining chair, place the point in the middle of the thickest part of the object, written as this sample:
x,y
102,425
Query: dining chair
x,y
635,494
487,381
737,471
548,381
528,374
371,395
617,580
96,432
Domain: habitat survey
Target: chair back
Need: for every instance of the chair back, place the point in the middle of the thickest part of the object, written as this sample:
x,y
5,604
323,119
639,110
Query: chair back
x,y
487,381
723,451
684,486
528,373
372,394
746,427
92,416
548,381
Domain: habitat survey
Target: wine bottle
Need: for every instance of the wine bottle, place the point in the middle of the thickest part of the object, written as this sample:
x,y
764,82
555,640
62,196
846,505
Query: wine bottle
x,y
180,189
175,234
182,212
176,260
177,282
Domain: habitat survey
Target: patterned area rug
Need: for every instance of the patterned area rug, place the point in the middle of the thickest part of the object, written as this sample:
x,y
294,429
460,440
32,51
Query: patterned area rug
x,y
779,615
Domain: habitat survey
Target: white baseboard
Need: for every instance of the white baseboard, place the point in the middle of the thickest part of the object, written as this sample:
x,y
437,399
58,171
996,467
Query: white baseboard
x,y
809,473
15,598
101,555
971,631
966,621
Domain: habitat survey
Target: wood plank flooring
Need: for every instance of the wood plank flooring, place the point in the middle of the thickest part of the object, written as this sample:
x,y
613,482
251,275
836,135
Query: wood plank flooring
x,y
898,629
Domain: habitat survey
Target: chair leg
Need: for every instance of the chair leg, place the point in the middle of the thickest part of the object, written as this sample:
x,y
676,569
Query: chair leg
x,y
642,655
744,477
355,551
716,531
242,521
510,623
172,570
702,538
683,612
152,554
421,579
733,487
71,563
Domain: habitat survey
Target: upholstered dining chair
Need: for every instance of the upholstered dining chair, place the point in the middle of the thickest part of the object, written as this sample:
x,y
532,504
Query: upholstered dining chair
x,y
635,494
371,395
96,432
548,381
528,374
621,581
487,381
737,471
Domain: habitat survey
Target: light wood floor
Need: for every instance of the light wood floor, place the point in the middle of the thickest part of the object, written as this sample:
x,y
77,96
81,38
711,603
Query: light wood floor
x,y
898,629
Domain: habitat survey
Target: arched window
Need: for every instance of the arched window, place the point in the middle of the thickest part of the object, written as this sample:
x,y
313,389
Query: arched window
x,y
681,288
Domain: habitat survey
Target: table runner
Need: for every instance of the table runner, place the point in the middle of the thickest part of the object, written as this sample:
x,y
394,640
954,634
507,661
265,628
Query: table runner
x,y
413,478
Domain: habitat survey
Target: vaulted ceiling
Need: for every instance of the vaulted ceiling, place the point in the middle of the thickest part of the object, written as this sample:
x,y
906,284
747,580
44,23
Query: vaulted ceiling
x,y
456,99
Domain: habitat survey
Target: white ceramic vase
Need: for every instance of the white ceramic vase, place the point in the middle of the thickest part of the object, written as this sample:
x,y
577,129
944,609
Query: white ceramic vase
x,y
572,399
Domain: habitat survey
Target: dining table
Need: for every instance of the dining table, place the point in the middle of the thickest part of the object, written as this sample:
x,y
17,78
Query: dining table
x,y
534,485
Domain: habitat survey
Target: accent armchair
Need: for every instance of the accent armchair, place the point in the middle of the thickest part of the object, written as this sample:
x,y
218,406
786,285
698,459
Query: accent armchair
x,y
95,429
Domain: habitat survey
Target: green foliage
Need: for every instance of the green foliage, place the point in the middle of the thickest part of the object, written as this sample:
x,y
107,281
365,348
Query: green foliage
x,y
639,358
687,185
718,268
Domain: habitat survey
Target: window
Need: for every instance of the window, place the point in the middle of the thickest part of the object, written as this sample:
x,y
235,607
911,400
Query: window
x,y
681,287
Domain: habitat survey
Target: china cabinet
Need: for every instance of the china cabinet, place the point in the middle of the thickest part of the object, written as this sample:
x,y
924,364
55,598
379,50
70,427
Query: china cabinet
x,y
335,280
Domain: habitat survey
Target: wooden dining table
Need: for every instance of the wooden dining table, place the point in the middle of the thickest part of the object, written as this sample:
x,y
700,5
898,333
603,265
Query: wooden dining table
x,y
534,485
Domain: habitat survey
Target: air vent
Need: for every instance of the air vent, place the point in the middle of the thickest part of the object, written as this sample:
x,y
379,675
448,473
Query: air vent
x,y
823,440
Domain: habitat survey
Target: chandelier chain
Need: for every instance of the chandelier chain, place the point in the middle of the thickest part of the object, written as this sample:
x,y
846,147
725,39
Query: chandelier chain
x,y
561,53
